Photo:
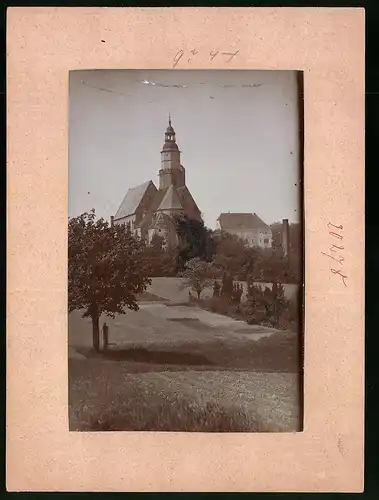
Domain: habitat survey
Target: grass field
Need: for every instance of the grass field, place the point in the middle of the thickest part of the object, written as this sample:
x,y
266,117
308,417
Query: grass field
x,y
106,396
180,368
191,387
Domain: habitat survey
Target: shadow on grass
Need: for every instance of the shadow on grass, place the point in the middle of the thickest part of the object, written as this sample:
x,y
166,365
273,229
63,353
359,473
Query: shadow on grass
x,y
278,353
142,355
151,297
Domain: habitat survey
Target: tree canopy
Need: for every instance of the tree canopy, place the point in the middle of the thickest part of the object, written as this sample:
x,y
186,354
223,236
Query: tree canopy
x,y
233,257
198,275
162,261
195,240
107,268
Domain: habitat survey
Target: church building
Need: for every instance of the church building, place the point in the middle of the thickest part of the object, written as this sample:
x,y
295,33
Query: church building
x,y
150,210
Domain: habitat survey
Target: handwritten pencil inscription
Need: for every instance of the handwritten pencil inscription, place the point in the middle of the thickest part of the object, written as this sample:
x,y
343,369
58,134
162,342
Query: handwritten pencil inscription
x,y
336,252
227,56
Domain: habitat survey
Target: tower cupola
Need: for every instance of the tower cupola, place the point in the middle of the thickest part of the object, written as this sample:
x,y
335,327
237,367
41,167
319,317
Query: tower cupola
x,y
171,172
170,138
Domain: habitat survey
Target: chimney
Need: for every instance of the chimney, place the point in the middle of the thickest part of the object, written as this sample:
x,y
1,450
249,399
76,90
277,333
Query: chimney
x,y
285,238
112,220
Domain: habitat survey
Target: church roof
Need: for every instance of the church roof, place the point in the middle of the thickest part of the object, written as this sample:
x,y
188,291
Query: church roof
x,y
171,200
161,220
170,146
234,221
132,200
187,199
159,195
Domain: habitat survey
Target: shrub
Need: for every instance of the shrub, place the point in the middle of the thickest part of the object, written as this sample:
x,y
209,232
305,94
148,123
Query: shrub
x,y
216,289
197,275
219,305
227,285
237,293
262,307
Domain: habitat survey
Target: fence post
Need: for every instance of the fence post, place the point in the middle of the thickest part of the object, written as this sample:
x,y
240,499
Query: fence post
x,y
106,336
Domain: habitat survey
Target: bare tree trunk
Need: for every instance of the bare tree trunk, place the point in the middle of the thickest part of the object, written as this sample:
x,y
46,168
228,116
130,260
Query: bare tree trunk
x,y
96,332
198,294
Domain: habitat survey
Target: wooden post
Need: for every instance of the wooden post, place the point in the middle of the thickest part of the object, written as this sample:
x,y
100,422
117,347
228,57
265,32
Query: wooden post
x,y
106,336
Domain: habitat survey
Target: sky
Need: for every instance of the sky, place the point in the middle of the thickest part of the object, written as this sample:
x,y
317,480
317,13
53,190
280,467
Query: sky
x,y
237,131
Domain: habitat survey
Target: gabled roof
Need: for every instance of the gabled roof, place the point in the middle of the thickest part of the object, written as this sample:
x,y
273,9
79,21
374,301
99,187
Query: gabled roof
x,y
161,220
159,195
132,200
235,221
171,200
186,197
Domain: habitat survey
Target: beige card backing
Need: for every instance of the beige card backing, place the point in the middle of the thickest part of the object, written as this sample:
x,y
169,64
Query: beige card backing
x,y
43,45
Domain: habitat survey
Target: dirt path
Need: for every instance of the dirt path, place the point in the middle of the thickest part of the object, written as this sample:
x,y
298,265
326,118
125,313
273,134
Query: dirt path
x,y
160,323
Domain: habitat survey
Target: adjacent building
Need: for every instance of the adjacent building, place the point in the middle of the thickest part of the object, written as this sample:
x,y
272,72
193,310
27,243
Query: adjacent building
x,y
150,210
247,226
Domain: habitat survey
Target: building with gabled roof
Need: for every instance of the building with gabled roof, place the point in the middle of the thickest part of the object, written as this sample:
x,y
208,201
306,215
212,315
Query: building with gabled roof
x,y
247,226
150,210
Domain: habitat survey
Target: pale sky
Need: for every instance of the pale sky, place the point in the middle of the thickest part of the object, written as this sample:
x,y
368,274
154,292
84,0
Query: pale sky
x,y
239,143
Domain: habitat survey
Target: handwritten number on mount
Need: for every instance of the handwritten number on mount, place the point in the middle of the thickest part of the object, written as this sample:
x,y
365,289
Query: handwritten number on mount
x,y
194,52
336,250
177,57
213,54
230,54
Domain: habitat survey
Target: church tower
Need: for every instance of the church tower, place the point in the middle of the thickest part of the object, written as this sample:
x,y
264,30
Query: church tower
x,y
172,173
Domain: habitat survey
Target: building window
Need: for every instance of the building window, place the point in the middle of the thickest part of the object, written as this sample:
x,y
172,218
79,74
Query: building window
x,y
266,241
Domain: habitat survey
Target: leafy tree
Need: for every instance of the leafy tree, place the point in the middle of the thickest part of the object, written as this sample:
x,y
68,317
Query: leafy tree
x,y
251,263
237,293
155,254
254,308
216,289
230,253
234,258
290,267
227,285
169,264
279,302
195,240
106,269
157,243
163,259
198,275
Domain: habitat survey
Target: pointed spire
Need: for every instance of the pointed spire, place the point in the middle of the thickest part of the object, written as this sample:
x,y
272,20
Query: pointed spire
x,y
170,132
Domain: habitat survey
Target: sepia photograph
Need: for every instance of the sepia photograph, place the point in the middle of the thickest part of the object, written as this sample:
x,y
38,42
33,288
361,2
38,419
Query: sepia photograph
x,y
185,251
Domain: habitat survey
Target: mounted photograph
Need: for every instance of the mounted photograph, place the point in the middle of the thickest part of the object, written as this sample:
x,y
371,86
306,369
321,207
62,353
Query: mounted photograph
x,y
185,251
